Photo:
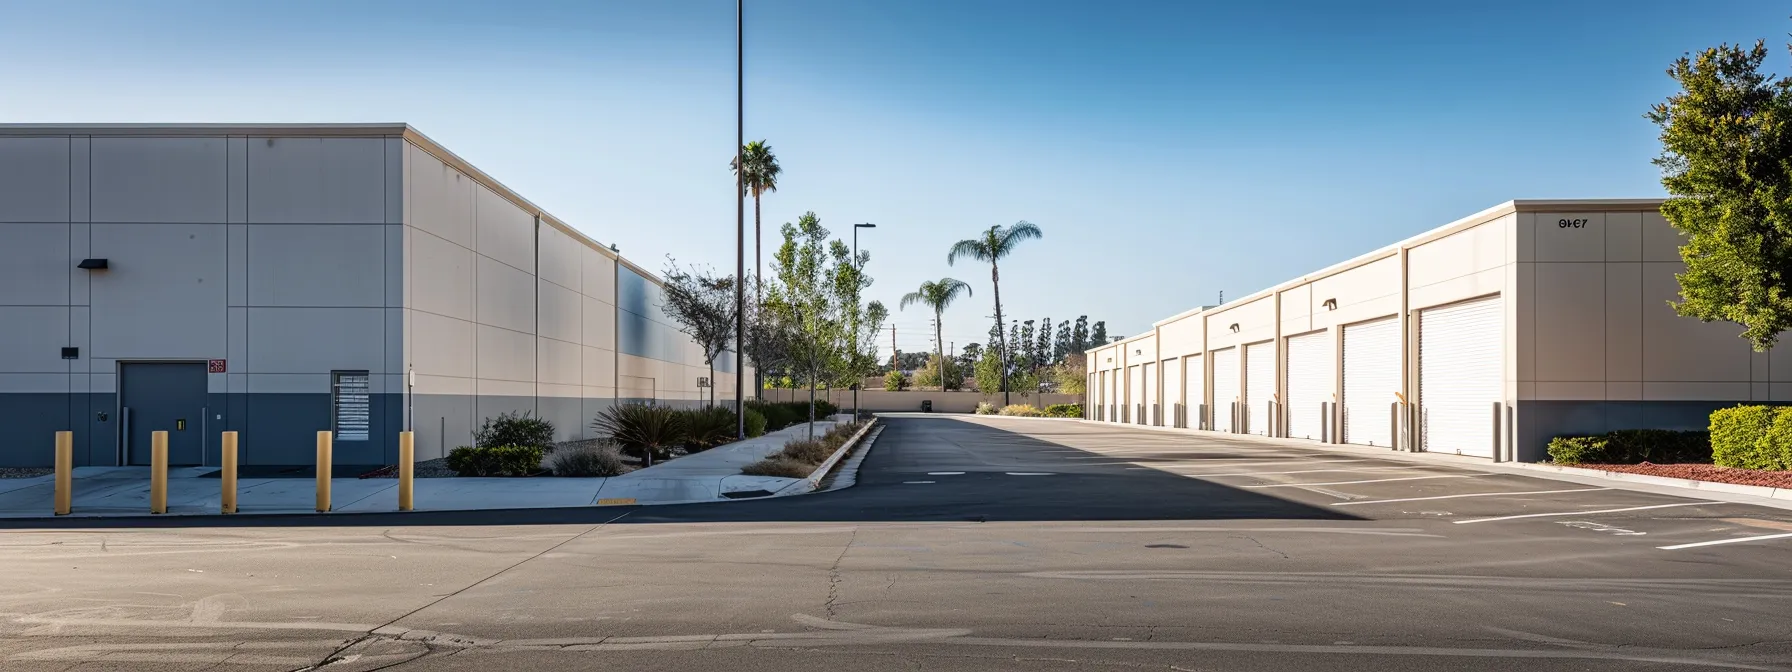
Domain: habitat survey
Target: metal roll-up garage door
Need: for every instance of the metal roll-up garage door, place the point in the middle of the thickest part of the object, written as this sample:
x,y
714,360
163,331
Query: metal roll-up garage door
x,y
1225,388
1371,379
1195,391
1135,384
1309,384
1259,386
1172,392
1149,408
1461,359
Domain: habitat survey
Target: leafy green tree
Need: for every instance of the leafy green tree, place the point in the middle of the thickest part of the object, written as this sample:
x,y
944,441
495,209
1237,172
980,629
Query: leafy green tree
x,y
993,246
930,376
1061,344
1079,336
895,381
861,321
989,372
1071,374
803,298
967,358
1726,161
938,295
1099,335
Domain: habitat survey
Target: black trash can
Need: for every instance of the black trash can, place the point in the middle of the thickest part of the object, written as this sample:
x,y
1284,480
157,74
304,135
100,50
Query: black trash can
x,y
926,405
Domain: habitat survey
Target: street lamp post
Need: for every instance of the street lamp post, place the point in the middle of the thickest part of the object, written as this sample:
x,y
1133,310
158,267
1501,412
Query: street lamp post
x,y
740,221
857,379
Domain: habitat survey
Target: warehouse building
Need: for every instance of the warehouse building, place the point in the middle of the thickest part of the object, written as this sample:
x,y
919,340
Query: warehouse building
x,y
1485,337
283,280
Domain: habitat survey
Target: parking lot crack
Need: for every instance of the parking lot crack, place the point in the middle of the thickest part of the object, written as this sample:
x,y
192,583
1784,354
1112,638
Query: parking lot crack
x,y
834,574
1263,546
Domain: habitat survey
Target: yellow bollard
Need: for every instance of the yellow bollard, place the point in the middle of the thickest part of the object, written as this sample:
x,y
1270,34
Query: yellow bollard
x,y
65,472
407,452
323,472
158,472
227,501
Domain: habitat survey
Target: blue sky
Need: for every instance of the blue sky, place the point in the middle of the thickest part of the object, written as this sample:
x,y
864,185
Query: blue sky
x,y
1181,148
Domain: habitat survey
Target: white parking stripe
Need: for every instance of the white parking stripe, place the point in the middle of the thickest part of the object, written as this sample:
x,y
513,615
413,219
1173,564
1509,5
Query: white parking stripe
x,y
1477,494
1226,465
1584,513
1377,480
1736,540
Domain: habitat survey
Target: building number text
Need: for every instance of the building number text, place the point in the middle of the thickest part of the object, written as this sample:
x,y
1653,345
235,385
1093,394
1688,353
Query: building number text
x,y
1571,224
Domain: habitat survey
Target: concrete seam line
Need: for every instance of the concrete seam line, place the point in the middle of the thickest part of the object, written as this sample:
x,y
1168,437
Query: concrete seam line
x,y
1475,494
471,586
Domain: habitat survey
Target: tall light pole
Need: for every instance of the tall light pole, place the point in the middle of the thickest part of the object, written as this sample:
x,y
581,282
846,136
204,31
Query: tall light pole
x,y
740,223
857,380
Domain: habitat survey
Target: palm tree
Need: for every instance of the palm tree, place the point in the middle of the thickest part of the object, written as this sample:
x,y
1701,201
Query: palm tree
x,y
937,295
759,177
992,246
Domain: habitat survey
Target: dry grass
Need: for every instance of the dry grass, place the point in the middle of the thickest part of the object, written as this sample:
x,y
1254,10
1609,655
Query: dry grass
x,y
779,466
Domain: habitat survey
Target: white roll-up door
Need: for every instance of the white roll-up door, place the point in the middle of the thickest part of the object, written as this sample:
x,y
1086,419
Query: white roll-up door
x,y
1194,396
1172,369
1259,386
1225,388
1461,359
1310,376
1149,409
1135,385
1371,379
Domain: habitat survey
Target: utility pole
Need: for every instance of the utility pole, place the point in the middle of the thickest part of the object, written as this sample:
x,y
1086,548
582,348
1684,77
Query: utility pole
x,y
895,355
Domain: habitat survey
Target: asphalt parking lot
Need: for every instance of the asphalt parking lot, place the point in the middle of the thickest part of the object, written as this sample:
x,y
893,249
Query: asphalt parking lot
x,y
967,544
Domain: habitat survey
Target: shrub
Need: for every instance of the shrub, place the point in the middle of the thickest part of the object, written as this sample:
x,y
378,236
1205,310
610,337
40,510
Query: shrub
x,y
840,433
1064,411
986,408
495,460
755,423
1738,436
586,460
520,428
641,430
1776,446
778,466
777,416
1021,410
1632,446
895,381
706,428
811,451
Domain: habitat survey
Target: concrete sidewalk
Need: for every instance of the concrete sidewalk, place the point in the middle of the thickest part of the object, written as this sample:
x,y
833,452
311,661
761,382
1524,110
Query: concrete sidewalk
x,y
124,491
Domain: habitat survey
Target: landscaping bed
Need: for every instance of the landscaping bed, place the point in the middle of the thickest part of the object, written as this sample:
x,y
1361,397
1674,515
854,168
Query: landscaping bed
x,y
1702,472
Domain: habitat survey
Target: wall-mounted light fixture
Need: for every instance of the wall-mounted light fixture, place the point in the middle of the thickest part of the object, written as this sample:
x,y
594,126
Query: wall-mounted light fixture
x,y
1234,327
1138,351
93,265
1330,304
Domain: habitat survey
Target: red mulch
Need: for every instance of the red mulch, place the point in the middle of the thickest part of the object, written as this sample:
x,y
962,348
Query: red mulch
x,y
1703,472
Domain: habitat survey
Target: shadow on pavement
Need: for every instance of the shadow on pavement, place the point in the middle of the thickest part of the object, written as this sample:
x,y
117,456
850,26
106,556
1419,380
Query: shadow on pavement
x,y
1006,475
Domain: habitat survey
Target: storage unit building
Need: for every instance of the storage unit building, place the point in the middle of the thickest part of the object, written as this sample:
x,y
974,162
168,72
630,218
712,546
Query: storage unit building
x,y
287,279
1487,336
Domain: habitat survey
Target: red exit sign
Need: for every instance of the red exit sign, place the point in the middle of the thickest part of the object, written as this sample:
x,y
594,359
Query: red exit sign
x,y
215,366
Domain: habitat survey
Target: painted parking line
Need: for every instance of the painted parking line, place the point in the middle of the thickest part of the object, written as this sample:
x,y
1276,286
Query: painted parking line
x,y
1734,540
1029,473
945,473
1258,463
1476,494
1376,480
1584,513
1307,471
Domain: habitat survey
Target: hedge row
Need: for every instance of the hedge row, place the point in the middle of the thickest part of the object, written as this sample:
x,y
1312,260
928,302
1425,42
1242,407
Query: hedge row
x,y
1752,437
1632,446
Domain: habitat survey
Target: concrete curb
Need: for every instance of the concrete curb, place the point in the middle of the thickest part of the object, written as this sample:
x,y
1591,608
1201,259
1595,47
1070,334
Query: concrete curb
x,y
1778,498
809,484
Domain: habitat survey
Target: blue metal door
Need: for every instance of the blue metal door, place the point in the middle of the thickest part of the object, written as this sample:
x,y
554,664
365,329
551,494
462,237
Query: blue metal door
x,y
163,396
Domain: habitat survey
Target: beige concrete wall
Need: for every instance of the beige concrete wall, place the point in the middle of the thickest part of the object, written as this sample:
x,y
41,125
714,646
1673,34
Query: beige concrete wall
x,y
1594,322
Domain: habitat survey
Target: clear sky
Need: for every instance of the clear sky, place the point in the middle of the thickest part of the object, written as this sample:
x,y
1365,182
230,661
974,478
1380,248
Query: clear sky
x,y
1170,150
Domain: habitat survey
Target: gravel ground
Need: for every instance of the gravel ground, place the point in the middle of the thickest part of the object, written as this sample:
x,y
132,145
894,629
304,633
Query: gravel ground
x,y
24,472
1703,472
